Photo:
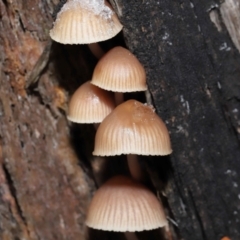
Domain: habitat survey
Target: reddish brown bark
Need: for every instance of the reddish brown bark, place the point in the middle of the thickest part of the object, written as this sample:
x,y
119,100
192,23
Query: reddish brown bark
x,y
44,192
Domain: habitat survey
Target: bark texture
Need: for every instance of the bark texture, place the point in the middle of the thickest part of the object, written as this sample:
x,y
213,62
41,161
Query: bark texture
x,y
190,50
44,188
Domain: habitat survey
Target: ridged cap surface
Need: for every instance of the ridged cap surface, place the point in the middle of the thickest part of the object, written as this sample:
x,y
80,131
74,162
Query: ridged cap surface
x,y
83,22
90,104
122,204
132,128
119,71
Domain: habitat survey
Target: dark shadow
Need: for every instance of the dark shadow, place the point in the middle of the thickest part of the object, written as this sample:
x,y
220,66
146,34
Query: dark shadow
x,y
117,165
118,40
155,234
159,166
82,139
73,65
105,235
139,96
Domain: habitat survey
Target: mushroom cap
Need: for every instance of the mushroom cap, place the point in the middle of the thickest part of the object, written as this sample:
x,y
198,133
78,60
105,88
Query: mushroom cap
x,y
122,204
119,71
83,22
132,128
90,104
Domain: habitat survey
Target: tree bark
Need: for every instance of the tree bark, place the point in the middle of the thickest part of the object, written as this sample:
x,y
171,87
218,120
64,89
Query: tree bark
x,y
44,188
190,50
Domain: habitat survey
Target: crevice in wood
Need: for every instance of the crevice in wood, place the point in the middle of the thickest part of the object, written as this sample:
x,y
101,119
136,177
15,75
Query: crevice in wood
x,y
13,192
232,116
21,23
5,2
35,73
199,220
58,8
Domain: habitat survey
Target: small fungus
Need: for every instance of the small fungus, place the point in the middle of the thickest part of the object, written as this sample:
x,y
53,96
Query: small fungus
x,y
90,104
119,71
84,22
132,128
122,204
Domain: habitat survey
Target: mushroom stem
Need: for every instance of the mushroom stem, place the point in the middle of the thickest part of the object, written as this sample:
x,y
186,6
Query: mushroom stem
x,y
148,97
130,236
98,169
134,167
98,165
96,50
168,232
119,98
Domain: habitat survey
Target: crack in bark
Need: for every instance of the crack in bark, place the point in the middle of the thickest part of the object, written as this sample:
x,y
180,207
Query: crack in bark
x,y
13,193
41,64
196,211
58,8
5,3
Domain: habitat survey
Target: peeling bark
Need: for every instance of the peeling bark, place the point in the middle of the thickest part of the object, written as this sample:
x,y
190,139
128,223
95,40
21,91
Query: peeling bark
x,y
230,10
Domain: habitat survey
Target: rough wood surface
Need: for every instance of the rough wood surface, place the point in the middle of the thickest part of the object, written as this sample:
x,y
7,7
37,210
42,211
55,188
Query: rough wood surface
x,y
192,62
44,187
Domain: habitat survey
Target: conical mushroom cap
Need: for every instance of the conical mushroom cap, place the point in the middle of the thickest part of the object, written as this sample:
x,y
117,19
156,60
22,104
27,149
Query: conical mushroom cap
x,y
132,128
122,204
119,71
83,22
90,104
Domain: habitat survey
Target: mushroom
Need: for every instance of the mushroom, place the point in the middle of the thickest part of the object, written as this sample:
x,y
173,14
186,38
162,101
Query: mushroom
x,y
90,104
124,205
119,71
132,128
85,22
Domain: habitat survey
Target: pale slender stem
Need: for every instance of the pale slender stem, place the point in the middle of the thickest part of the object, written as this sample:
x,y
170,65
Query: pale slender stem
x,y
119,98
148,97
98,164
134,167
130,236
98,167
168,232
96,50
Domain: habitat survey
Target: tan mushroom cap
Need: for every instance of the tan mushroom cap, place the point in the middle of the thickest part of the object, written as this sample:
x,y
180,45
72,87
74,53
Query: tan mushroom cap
x,y
122,204
78,23
132,128
119,71
90,104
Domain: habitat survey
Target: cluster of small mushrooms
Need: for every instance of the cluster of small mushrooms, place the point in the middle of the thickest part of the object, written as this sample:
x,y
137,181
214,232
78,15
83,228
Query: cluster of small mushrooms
x,y
122,203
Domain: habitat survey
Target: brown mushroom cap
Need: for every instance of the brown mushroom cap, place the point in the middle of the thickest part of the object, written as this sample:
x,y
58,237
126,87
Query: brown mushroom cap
x,y
83,22
90,104
122,204
132,128
119,71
